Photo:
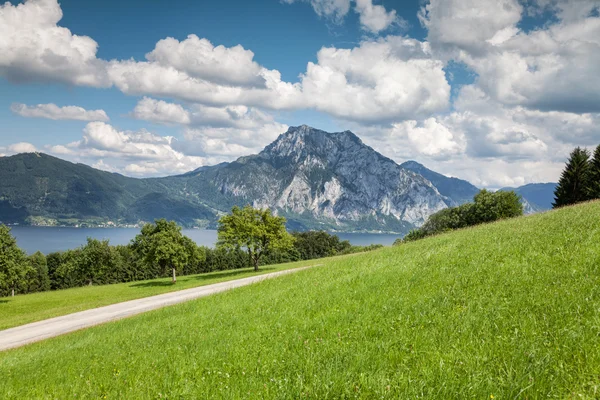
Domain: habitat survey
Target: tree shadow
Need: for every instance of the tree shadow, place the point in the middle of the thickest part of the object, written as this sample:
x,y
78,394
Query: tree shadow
x,y
201,277
151,284
4,301
228,274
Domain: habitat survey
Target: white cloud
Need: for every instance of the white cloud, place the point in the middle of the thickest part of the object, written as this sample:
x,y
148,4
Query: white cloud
x,y
200,59
373,18
138,153
390,79
230,142
160,111
333,9
22,147
33,47
468,25
142,153
554,67
430,138
151,78
52,111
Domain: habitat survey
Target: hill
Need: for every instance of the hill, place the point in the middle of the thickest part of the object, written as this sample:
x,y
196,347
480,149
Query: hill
x,y
505,310
38,188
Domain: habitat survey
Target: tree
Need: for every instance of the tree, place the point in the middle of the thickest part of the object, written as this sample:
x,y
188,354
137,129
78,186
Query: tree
x,y
318,244
162,247
14,266
573,186
594,176
492,206
255,230
41,280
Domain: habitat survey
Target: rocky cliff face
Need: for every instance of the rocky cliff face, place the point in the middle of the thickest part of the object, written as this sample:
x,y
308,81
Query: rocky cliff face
x,y
334,178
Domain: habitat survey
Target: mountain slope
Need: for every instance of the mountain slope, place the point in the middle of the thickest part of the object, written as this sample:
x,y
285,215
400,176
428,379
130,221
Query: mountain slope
x,y
318,180
332,179
39,185
457,191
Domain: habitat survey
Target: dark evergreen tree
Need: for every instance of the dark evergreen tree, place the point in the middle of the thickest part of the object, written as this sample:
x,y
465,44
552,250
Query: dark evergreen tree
x,y
594,178
573,186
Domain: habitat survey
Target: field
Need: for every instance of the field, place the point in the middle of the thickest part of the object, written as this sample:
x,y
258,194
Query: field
x,y
19,310
502,311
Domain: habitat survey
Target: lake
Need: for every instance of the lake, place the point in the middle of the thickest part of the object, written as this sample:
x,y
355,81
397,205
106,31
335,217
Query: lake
x,y
50,239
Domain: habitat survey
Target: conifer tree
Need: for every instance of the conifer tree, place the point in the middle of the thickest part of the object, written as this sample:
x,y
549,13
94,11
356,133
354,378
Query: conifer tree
x,y
573,186
594,178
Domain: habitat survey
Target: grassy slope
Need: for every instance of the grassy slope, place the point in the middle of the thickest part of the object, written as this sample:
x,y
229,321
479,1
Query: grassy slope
x,y
509,310
19,310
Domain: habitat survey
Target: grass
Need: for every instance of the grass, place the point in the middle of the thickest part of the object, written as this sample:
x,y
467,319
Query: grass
x,y
507,310
20,310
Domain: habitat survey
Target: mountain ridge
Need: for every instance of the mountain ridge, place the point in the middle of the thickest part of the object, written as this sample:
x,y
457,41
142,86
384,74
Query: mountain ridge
x,y
316,179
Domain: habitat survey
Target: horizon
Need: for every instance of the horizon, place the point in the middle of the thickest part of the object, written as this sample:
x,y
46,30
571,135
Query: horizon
x,y
496,93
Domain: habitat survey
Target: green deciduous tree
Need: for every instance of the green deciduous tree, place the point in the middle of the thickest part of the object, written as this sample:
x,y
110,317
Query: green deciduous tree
x,y
486,207
162,247
492,206
257,231
573,186
41,280
14,266
317,244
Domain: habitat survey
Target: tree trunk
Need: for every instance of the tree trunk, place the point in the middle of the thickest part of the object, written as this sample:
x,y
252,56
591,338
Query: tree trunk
x,y
255,260
13,292
174,276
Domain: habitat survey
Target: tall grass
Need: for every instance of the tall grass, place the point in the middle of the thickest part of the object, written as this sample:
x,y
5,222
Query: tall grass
x,y
506,310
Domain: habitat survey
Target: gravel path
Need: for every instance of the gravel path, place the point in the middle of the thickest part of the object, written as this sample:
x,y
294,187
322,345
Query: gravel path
x,y
36,331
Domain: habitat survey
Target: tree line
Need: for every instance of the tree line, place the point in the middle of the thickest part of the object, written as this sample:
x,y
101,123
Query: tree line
x,y
580,179
246,238
486,207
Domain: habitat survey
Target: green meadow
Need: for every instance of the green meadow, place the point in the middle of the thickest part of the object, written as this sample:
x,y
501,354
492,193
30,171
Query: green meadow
x,y
20,310
500,311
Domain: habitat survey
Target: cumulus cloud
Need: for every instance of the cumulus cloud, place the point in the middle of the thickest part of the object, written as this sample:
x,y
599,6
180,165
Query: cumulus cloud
x,y
162,112
21,147
394,78
138,153
52,111
230,142
34,48
488,143
430,138
468,25
200,59
373,18
552,68
142,153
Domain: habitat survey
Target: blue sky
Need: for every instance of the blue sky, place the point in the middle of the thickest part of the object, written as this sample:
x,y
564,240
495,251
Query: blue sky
x,y
494,91
283,37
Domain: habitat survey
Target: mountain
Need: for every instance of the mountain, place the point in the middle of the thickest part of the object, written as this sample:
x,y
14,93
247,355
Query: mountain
x,y
41,189
537,197
323,180
457,191
317,180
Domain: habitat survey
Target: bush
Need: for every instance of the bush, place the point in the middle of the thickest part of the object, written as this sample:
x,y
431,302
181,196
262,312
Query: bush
x,y
486,207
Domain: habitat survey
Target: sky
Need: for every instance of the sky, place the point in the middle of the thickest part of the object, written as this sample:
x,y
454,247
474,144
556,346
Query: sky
x,y
497,92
